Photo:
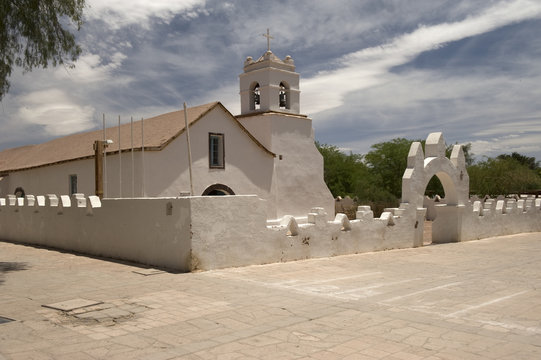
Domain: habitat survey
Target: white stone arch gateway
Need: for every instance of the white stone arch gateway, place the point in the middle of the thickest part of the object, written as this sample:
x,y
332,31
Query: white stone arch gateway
x,y
453,176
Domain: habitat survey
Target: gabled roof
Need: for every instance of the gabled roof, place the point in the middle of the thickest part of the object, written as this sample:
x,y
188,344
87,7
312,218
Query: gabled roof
x,y
159,131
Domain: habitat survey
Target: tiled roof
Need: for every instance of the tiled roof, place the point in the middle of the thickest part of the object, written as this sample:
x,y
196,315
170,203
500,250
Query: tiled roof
x,y
158,132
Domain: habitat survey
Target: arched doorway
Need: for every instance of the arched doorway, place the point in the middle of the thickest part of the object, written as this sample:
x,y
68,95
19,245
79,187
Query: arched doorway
x,y
19,192
454,179
434,195
218,190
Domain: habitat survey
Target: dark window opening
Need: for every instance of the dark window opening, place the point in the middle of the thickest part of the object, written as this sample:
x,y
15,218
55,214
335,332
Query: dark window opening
x,y
73,184
216,151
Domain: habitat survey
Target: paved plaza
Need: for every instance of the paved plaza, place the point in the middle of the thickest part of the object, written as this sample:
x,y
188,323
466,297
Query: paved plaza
x,y
472,300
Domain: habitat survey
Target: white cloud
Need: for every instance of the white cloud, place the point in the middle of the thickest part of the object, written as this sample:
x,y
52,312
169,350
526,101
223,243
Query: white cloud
x,y
91,68
55,111
524,144
365,68
119,13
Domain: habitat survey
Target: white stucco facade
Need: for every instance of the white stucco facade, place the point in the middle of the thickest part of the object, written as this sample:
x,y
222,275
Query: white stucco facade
x,y
269,153
211,232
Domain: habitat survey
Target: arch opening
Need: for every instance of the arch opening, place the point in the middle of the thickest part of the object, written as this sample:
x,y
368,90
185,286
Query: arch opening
x,y
451,173
218,190
255,96
445,217
283,96
434,195
19,192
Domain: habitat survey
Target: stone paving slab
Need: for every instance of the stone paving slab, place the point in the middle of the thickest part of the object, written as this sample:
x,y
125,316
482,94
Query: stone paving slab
x,y
148,272
473,300
72,304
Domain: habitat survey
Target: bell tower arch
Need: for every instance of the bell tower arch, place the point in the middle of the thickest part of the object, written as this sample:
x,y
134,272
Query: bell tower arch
x,y
277,84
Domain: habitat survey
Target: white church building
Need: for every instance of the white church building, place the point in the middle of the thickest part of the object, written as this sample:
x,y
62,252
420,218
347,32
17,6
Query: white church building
x,y
268,150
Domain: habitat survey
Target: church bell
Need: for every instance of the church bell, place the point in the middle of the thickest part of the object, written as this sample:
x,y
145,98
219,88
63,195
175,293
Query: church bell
x,y
282,98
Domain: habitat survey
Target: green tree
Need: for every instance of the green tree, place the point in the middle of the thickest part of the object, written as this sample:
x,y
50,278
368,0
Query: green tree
x,y
341,171
522,159
502,176
348,175
34,33
387,162
466,148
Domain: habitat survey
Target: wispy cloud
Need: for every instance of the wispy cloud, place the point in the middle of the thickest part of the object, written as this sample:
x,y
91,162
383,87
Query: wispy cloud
x,y
365,68
55,112
121,13
369,70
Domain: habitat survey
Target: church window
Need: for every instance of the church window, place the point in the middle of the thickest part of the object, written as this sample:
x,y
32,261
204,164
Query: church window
x,y
73,184
216,151
284,96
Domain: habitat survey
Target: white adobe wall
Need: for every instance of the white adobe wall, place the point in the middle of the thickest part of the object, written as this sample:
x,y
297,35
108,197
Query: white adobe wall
x,y
216,232
54,179
139,230
248,168
4,186
500,217
240,237
298,182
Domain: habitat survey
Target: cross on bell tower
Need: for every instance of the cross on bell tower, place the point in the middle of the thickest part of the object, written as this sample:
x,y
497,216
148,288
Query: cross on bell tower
x,y
269,84
268,36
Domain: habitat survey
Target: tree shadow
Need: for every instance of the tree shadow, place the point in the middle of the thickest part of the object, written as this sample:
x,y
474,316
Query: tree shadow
x,y
6,267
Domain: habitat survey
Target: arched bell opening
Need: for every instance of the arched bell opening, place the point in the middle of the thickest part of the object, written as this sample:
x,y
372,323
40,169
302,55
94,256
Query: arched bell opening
x,y
283,96
255,96
218,190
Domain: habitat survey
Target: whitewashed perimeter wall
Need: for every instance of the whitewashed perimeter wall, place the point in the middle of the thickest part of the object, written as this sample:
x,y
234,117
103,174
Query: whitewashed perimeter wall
x,y
500,217
238,234
137,230
203,233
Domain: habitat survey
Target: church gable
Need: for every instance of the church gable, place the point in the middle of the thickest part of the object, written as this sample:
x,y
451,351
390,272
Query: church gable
x,y
158,131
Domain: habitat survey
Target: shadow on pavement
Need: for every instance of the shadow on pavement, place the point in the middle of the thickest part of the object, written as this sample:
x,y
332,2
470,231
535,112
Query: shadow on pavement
x,y
6,267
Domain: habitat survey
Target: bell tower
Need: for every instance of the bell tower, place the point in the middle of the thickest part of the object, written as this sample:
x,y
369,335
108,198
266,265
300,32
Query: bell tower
x,y
269,84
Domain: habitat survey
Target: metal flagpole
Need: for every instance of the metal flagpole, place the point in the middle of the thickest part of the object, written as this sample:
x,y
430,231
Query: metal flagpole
x,y
104,160
132,163
119,162
189,148
143,157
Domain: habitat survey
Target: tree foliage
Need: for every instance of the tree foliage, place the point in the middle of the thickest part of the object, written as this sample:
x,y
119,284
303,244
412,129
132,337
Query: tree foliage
x,y
522,159
34,33
349,175
376,178
387,162
504,175
342,171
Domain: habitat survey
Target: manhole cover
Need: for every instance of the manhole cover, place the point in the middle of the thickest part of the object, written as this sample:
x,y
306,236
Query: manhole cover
x,y
4,320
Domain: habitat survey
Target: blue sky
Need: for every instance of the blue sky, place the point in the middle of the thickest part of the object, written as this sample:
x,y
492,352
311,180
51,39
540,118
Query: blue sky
x,y
370,70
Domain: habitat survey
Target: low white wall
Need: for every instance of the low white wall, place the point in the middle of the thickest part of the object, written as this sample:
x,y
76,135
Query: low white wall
x,y
237,236
203,233
500,217
138,230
